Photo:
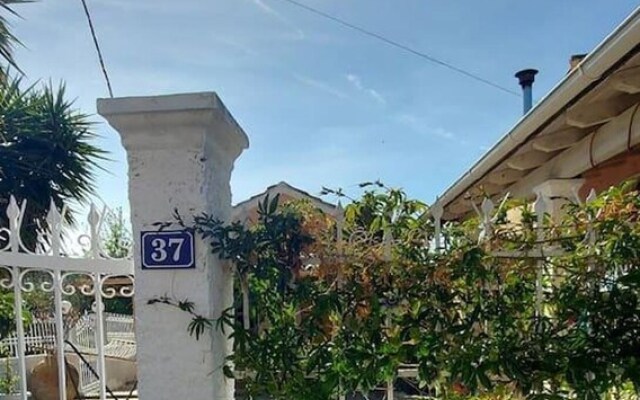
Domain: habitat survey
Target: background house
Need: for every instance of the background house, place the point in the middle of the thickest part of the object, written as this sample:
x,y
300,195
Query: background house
x,y
247,211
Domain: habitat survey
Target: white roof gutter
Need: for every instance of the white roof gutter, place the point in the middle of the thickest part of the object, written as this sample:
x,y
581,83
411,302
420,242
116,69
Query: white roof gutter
x,y
610,51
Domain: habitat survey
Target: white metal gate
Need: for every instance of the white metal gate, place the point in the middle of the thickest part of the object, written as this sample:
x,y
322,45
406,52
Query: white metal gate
x,y
63,264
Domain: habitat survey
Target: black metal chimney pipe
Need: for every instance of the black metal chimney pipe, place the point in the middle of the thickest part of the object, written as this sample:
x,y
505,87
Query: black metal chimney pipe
x,y
526,77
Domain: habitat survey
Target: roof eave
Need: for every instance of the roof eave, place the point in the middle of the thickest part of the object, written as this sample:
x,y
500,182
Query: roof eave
x,y
621,42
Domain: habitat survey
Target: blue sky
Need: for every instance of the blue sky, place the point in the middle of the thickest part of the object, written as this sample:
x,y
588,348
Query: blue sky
x,y
322,105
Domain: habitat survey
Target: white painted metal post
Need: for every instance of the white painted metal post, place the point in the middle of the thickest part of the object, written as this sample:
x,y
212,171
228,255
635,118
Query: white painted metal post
x,y
246,309
14,215
57,292
539,208
98,279
436,212
181,150
54,219
22,369
339,215
387,254
100,342
390,394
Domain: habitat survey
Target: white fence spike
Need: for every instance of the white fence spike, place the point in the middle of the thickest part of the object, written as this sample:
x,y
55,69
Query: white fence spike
x,y
487,207
14,215
437,211
54,219
13,211
592,196
94,219
387,241
540,207
339,211
339,214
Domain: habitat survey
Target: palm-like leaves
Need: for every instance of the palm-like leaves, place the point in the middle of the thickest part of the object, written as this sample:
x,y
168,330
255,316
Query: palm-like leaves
x,y
46,149
7,39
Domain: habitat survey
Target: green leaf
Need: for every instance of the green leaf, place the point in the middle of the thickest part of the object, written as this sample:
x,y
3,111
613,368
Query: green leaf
x,y
198,325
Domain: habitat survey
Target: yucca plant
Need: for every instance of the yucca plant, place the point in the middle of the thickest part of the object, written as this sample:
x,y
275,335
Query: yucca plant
x,y
46,150
7,40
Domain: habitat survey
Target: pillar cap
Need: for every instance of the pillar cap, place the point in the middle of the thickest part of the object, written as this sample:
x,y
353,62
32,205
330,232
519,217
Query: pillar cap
x,y
159,116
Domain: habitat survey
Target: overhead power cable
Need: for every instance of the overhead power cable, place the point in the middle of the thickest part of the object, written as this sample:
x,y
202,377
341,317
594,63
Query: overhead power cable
x,y
97,45
402,47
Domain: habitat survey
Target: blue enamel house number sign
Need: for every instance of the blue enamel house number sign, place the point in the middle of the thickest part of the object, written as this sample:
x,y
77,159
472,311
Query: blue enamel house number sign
x,y
168,250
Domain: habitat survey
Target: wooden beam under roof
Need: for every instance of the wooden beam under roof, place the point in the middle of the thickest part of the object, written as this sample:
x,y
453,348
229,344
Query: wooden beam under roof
x,y
592,114
505,176
529,160
627,80
558,140
602,106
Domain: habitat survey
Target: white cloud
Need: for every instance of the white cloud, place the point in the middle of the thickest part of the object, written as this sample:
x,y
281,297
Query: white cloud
x,y
267,8
320,85
377,96
443,133
299,34
356,82
234,44
419,125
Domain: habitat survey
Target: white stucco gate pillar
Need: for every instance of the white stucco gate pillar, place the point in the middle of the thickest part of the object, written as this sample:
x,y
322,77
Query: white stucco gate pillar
x,y
181,149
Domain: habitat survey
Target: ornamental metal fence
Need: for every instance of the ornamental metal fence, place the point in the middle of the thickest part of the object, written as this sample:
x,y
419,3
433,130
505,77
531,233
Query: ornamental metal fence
x,y
67,269
39,335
